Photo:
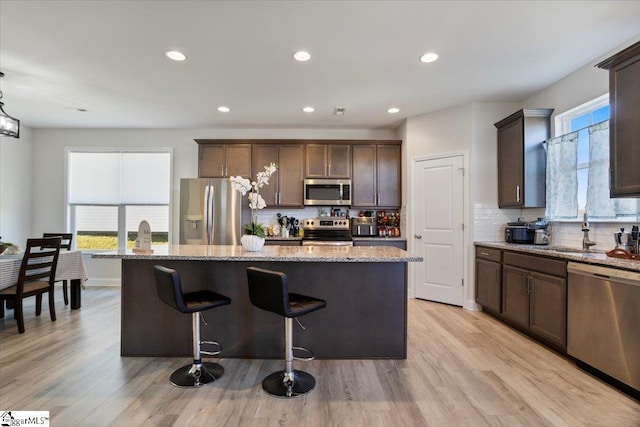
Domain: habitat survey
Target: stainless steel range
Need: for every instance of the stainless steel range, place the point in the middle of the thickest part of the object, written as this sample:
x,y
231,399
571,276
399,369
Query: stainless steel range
x,y
326,231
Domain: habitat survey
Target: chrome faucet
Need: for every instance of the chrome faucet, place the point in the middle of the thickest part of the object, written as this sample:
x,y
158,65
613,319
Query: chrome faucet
x,y
586,242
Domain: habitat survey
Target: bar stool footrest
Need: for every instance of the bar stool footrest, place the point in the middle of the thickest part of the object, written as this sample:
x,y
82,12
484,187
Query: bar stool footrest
x,y
274,384
211,353
303,349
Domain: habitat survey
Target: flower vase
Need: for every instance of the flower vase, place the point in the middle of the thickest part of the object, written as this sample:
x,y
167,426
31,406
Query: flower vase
x,y
252,243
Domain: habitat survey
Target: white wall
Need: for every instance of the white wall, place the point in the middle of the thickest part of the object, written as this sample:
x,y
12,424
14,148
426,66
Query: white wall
x,y
16,178
49,171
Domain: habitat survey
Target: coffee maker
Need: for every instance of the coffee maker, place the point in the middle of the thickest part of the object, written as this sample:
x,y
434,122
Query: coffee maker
x,y
541,236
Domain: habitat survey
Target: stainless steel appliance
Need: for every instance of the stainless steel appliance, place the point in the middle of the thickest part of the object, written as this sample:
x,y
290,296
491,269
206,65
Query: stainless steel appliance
x,y
364,226
603,320
326,231
531,233
327,192
210,212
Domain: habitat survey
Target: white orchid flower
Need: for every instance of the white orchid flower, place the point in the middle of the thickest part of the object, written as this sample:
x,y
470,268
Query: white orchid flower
x,y
245,186
240,184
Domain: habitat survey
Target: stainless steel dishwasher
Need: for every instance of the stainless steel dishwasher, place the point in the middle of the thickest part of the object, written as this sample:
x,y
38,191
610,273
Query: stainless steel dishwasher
x,y
603,320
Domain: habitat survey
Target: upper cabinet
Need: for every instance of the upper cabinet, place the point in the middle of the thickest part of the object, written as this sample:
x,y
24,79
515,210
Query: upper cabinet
x,y
328,161
521,158
223,160
286,185
624,126
376,176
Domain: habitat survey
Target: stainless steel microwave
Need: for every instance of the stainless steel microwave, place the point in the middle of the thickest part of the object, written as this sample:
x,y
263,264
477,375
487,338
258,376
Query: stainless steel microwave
x,y
327,192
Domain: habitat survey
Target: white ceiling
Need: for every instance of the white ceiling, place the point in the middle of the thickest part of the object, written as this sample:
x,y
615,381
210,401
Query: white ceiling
x,y
108,57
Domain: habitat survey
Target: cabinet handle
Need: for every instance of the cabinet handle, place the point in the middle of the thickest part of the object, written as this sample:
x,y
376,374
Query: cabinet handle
x,y
517,193
329,174
417,236
484,253
275,198
222,169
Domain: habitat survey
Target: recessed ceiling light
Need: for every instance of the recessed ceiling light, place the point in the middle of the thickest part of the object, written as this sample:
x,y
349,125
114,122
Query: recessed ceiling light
x,y
393,110
429,57
302,56
224,109
175,55
308,109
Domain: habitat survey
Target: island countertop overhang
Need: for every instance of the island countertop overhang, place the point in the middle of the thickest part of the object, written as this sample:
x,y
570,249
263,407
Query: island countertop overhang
x,y
341,254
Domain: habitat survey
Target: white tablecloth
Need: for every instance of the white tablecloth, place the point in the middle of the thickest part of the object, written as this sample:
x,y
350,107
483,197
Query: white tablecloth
x,y
70,267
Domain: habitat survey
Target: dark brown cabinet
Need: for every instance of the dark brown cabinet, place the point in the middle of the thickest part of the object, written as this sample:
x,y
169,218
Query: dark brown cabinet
x,y
624,125
376,176
521,158
534,296
328,161
286,185
224,160
489,278
400,244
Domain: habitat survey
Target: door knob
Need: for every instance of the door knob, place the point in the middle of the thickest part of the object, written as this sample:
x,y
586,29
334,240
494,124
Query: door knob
x,y
417,236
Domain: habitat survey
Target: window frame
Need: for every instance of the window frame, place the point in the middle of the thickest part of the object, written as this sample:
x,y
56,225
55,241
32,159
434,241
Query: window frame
x,y
563,126
70,214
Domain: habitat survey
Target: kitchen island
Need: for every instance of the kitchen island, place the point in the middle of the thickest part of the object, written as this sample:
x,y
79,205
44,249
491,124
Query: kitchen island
x,y
365,289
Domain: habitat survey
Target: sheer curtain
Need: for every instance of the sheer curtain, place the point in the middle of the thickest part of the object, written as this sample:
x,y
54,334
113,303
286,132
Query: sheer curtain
x,y
562,177
599,205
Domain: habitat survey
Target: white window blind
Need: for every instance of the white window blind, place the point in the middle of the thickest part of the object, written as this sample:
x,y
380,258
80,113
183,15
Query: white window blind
x,y
114,178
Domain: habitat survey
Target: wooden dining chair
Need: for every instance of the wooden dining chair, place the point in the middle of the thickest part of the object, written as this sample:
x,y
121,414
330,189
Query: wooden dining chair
x,y
65,244
37,276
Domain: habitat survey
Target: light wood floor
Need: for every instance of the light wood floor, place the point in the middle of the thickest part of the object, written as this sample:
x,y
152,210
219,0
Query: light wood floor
x,y
463,369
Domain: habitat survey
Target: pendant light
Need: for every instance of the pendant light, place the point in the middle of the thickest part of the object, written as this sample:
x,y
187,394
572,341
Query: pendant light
x,y
9,126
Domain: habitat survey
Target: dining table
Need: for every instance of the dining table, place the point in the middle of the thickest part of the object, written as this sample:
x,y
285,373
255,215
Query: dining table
x,y
70,267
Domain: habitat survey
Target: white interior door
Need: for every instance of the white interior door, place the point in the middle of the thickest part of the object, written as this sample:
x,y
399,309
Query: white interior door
x,y
439,229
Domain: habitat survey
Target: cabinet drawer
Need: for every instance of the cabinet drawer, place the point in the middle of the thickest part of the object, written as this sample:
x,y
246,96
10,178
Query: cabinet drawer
x,y
490,254
536,263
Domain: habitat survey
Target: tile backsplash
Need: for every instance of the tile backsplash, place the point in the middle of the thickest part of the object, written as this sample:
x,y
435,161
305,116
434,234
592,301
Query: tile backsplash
x,y
489,224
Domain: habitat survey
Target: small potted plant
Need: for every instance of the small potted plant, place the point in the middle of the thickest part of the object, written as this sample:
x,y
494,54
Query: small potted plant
x,y
255,233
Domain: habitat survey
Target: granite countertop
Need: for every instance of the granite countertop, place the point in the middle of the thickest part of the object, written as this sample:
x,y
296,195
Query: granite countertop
x,y
596,257
355,254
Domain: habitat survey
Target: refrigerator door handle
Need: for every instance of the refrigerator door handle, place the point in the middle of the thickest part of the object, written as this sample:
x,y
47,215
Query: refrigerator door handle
x,y
207,214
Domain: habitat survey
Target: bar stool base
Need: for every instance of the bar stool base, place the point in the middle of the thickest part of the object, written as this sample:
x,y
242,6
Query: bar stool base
x,y
303,383
186,377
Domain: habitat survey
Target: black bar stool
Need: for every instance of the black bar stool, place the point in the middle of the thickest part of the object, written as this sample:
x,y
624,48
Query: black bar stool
x,y
170,292
268,290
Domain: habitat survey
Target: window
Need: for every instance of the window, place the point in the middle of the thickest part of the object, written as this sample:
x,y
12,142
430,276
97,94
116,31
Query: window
x,y
110,191
578,167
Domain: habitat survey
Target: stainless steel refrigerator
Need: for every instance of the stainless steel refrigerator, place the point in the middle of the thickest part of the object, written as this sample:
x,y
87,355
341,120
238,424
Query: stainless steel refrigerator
x,y
210,212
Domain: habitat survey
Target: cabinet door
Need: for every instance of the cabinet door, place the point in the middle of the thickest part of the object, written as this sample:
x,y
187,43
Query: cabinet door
x,y
488,284
339,159
624,82
515,295
263,155
238,160
510,164
316,161
548,307
388,179
290,175
211,161
363,185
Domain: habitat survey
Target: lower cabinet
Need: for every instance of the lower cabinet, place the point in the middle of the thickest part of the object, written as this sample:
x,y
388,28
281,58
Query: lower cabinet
x,y
283,242
535,296
527,291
